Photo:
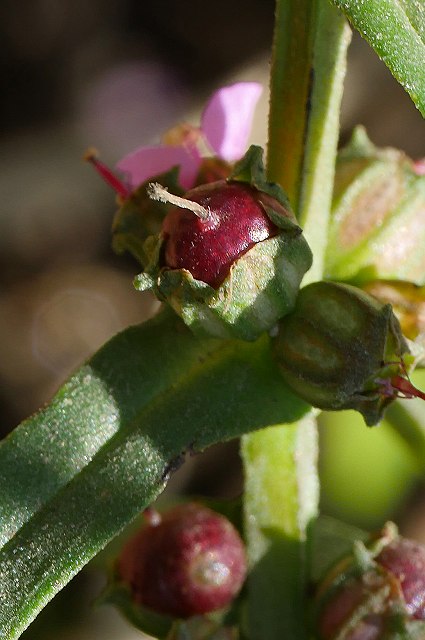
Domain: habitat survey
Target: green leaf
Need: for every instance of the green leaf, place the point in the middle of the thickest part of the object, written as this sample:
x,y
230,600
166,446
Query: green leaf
x,y
331,541
396,30
73,475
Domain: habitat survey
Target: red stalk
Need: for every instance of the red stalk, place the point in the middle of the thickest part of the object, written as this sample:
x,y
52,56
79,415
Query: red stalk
x,y
406,388
107,174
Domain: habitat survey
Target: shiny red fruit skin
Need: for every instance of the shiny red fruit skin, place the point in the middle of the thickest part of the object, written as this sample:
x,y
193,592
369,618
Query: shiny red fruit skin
x,y
208,248
191,563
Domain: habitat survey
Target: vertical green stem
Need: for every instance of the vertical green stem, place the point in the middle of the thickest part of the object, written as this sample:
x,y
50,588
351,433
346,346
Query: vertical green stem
x,y
281,497
290,80
332,37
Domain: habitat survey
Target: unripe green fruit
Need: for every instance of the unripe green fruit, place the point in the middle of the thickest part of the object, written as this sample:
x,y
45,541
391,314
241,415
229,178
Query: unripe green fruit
x,y
338,348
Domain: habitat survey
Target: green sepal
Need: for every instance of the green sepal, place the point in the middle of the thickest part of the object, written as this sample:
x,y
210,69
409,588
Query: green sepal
x,y
201,628
250,169
140,217
376,228
337,346
261,287
117,593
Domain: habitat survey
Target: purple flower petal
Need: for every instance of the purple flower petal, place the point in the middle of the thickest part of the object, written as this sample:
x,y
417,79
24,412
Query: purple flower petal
x,y
147,162
227,119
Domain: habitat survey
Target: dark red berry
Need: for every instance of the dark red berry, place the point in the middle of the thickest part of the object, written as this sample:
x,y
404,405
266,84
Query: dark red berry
x,y
405,559
357,602
236,221
191,562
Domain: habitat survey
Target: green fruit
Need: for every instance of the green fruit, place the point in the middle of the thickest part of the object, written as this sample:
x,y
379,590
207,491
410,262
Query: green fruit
x,y
341,349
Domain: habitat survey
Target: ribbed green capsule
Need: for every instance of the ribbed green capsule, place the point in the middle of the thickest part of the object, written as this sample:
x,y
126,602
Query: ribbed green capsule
x,y
342,349
377,224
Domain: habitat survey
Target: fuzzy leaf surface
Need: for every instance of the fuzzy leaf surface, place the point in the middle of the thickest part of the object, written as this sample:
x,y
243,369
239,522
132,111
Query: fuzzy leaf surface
x,y
73,475
396,31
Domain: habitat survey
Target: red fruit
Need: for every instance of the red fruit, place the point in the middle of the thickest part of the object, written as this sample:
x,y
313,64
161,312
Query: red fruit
x,y
405,559
207,248
192,562
387,594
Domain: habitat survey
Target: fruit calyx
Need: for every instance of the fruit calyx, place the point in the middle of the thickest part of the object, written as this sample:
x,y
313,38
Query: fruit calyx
x,y
230,216
207,246
234,270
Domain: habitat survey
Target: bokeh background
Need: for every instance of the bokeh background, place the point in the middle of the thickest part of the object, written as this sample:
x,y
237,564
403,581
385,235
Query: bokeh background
x,y
116,75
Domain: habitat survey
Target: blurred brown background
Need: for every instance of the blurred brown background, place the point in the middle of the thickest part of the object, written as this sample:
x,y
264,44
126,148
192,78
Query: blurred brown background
x,y
115,75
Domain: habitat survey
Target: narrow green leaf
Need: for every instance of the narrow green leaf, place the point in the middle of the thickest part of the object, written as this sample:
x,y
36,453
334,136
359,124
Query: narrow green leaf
x,y
75,474
396,30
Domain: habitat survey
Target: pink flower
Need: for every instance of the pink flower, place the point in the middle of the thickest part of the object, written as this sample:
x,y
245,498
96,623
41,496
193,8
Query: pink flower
x,y
225,127
419,167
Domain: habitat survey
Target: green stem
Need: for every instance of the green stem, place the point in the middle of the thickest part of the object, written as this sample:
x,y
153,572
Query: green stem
x,y
281,495
289,93
332,37
282,486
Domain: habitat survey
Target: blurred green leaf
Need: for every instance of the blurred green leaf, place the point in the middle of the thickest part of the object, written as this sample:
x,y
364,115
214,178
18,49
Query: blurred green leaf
x,y
331,541
396,31
366,472
73,475
377,227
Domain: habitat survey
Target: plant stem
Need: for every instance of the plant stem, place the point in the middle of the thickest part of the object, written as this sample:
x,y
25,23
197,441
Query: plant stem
x,y
282,487
290,79
332,37
281,495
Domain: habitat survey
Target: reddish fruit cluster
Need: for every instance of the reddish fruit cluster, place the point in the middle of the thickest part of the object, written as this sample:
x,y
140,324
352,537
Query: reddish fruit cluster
x,y
191,561
387,595
208,247
405,559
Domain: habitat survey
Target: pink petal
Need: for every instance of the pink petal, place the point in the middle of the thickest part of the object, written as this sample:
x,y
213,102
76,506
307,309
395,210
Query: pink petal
x,y
227,119
147,162
419,167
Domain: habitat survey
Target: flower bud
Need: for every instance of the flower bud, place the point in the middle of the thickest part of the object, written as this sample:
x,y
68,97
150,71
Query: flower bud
x,y
342,349
377,593
230,257
190,561
377,226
